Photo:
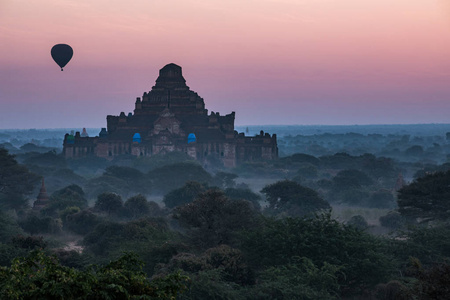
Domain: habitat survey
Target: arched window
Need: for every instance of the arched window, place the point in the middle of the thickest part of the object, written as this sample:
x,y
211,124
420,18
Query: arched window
x,y
137,138
191,138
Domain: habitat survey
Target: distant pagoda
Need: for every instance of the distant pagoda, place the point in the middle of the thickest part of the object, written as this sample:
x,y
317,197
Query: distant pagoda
x,y
42,199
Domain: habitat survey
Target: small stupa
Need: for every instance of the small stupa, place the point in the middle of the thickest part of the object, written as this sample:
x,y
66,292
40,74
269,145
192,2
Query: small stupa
x,y
42,198
84,133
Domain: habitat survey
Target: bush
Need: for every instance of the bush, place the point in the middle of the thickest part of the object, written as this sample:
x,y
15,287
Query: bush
x,y
183,195
382,199
81,222
174,176
137,206
110,203
358,221
393,220
213,218
300,279
70,196
359,256
42,277
34,224
289,197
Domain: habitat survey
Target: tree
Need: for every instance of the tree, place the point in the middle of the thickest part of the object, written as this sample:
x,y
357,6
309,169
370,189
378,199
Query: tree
x,y
137,206
120,180
145,163
29,242
300,279
359,256
48,159
213,218
382,199
8,227
393,220
351,196
70,196
183,195
307,170
218,273
107,184
414,150
15,182
133,179
81,222
433,282
173,176
244,194
39,276
427,198
379,167
150,238
428,244
351,179
228,260
224,180
358,221
34,224
302,158
293,199
111,203
126,173
339,160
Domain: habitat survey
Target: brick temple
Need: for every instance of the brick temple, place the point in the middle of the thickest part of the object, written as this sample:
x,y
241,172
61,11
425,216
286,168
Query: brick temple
x,y
171,117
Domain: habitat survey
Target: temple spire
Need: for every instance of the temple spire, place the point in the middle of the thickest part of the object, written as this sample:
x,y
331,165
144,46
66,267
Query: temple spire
x,y
42,198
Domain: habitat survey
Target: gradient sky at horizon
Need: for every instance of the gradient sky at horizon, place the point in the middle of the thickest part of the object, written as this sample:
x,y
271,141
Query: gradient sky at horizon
x,y
326,62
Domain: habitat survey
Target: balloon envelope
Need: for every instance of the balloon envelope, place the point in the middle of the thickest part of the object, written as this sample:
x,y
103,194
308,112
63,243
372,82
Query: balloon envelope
x,y
62,54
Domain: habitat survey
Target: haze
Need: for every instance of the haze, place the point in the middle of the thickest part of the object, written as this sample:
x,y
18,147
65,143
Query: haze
x,y
273,62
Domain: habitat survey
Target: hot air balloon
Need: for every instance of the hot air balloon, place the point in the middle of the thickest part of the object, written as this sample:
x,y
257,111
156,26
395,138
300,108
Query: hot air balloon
x,y
62,54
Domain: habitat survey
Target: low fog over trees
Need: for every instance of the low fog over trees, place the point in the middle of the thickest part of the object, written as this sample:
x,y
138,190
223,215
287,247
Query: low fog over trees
x,y
338,216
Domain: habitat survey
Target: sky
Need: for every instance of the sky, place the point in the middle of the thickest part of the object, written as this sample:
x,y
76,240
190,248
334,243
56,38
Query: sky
x,y
305,62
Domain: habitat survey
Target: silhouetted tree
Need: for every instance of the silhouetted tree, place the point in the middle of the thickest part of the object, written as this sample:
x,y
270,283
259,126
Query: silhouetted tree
x,y
293,199
72,195
39,276
15,182
382,199
427,198
174,176
137,206
224,180
110,203
184,194
244,194
213,218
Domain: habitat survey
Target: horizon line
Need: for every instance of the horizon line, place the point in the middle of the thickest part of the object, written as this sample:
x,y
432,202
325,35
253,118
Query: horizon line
x,y
261,125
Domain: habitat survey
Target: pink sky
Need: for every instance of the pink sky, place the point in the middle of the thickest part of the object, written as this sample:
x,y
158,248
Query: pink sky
x,y
271,61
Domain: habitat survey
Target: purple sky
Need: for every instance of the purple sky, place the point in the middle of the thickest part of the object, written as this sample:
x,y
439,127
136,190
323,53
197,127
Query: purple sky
x,y
273,62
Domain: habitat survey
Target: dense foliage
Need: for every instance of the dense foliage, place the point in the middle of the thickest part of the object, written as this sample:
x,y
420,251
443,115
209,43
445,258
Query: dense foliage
x,y
427,198
291,198
15,182
39,276
213,226
359,256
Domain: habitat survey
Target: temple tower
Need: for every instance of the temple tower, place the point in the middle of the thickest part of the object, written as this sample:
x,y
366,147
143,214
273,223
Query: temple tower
x,y
42,199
